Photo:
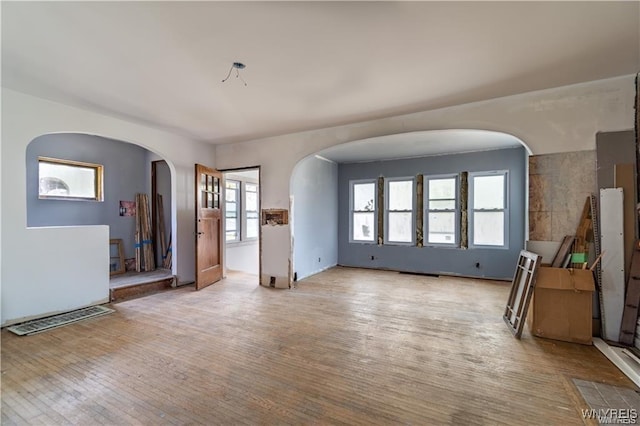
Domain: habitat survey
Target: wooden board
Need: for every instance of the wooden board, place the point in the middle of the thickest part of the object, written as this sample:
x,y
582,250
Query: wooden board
x,y
524,279
563,251
584,233
625,177
632,300
612,263
161,229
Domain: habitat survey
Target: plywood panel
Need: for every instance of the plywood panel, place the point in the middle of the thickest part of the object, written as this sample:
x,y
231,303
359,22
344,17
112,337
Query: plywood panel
x,y
611,236
613,148
625,178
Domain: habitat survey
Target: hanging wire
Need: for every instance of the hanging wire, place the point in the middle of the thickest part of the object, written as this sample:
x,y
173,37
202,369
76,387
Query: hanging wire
x,y
227,77
238,66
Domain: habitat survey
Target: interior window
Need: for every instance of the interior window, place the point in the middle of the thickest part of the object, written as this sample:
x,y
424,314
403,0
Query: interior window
x,y
70,180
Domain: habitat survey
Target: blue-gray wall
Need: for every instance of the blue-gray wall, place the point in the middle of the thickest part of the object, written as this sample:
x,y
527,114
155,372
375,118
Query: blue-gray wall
x,y
124,176
314,186
494,262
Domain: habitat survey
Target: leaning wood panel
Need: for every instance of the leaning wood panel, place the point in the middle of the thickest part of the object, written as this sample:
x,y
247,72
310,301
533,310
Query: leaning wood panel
x,y
584,233
563,251
138,240
625,177
524,280
631,301
161,229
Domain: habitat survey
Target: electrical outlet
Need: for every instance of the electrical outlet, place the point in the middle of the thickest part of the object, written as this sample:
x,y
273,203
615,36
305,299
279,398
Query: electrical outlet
x,y
318,259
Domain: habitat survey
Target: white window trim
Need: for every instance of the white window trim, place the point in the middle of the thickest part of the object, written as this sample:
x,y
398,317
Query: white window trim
x,y
239,203
242,239
425,232
387,181
472,210
243,194
374,211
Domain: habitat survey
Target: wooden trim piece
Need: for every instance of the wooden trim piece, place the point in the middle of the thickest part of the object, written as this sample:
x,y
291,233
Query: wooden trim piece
x,y
464,210
154,210
419,210
381,208
563,251
622,361
160,231
631,301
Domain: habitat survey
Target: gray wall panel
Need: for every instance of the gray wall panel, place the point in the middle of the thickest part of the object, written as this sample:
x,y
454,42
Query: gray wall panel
x,y
493,262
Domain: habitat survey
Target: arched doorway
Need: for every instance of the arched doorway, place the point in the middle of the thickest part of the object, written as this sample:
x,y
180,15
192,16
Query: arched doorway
x,y
322,232
122,170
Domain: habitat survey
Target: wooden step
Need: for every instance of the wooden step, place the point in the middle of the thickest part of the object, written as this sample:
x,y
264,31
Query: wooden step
x,y
137,290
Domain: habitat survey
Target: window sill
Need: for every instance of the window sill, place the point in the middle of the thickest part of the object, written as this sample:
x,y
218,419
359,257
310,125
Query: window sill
x,y
445,246
401,244
242,243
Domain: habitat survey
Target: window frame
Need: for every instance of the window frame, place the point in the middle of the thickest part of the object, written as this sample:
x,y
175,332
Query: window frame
x,y
243,181
387,183
238,204
352,183
472,210
455,210
98,184
243,236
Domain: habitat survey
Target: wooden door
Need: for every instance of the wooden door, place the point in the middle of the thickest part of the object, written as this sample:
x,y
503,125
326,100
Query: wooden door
x,y
208,226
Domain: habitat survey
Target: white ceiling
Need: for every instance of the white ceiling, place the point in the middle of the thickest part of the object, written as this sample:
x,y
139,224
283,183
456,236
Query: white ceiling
x,y
309,64
418,144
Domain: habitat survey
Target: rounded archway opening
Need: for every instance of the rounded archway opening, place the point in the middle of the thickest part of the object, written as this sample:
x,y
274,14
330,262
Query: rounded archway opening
x,y
322,191
79,179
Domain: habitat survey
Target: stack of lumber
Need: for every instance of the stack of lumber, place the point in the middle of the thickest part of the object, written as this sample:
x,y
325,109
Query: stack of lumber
x,y
144,243
574,249
584,235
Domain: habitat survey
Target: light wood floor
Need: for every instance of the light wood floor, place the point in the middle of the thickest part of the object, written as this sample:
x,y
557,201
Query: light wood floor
x,y
346,346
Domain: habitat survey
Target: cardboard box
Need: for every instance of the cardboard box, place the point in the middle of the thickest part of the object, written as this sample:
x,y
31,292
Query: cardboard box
x,y
561,307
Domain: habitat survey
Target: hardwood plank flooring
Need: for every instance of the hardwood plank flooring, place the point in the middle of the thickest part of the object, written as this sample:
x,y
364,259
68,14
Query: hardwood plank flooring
x,y
347,346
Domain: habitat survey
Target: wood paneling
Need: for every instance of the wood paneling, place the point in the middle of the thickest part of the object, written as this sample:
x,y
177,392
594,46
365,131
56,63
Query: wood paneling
x,y
346,346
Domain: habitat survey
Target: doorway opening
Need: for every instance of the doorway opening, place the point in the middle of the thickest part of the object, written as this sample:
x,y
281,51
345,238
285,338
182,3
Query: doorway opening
x,y
242,221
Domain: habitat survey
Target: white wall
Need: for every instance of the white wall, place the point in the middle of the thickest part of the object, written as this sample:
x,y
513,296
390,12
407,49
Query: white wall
x,y
26,117
314,186
555,120
243,257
